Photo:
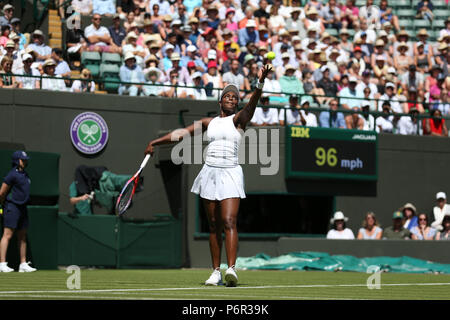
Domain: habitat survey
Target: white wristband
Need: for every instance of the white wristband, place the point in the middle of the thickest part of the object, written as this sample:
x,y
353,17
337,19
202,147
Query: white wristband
x,y
260,85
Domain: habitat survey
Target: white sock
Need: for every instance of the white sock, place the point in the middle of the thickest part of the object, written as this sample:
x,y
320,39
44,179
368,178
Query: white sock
x,y
3,263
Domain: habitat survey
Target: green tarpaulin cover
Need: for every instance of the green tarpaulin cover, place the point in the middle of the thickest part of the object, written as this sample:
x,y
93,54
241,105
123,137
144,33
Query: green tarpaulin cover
x,y
324,261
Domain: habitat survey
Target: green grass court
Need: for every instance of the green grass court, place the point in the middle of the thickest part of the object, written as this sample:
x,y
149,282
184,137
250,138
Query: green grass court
x,y
187,284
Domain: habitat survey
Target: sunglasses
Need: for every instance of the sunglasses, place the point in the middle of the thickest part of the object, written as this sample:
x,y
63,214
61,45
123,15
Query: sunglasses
x,y
422,219
97,19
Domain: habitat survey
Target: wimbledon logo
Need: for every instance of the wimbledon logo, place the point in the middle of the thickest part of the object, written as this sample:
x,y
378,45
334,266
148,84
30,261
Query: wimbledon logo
x,y
89,133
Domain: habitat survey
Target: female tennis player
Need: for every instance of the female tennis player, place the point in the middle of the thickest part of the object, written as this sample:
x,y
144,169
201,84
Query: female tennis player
x,y
220,182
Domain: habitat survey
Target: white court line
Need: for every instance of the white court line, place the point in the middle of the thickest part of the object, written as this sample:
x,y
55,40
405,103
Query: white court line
x,y
232,288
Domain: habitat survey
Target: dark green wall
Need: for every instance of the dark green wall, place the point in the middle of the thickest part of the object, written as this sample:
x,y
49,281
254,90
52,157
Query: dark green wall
x,y
411,169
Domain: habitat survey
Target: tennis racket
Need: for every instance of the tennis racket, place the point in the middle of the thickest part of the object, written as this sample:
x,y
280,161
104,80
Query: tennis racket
x,y
124,199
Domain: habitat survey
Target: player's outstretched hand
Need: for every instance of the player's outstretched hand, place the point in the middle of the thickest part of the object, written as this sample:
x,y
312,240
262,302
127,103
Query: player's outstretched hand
x,y
150,149
264,71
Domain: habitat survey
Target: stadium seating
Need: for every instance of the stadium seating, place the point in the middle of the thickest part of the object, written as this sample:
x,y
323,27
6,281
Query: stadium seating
x,y
91,60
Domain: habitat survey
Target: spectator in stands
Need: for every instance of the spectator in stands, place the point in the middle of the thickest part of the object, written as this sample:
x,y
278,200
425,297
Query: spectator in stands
x,y
350,15
412,101
289,83
174,87
370,229
396,231
276,20
8,12
402,61
364,30
116,31
423,231
348,93
76,43
124,7
413,79
422,60
199,92
154,85
389,95
213,79
290,115
369,120
133,47
440,210
443,103
130,72
104,7
183,73
409,125
353,120
387,15
313,20
15,24
85,83
265,116
371,14
62,67
332,118
234,77
402,37
251,80
248,33
331,15
295,21
164,6
445,32
307,118
28,82
445,233
7,80
42,52
379,50
435,126
409,214
339,230
83,7
99,38
425,10
50,79
4,37
432,79
385,122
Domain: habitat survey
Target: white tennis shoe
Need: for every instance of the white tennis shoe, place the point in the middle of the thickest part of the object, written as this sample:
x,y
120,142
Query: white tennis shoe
x,y
231,277
215,279
4,267
24,267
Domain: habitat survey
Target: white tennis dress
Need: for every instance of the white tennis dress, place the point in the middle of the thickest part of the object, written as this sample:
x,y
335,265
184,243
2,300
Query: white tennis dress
x,y
221,176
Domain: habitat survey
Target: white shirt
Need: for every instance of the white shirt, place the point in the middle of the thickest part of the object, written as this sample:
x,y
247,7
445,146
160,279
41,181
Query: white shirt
x,y
311,119
385,124
292,115
28,82
77,86
406,126
265,117
369,123
82,6
345,234
53,84
371,36
439,216
92,31
395,104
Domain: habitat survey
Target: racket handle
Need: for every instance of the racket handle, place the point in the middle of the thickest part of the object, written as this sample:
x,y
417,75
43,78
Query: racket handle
x,y
144,162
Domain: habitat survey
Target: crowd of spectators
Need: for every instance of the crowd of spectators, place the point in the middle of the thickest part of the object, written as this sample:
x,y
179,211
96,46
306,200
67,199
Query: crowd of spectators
x,y
406,224
168,48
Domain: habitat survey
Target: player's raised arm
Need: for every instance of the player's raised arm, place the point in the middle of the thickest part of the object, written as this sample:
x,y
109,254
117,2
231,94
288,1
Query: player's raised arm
x,y
177,135
246,114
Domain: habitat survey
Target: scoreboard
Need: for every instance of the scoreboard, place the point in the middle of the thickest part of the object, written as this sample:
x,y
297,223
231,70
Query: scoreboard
x,y
328,153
